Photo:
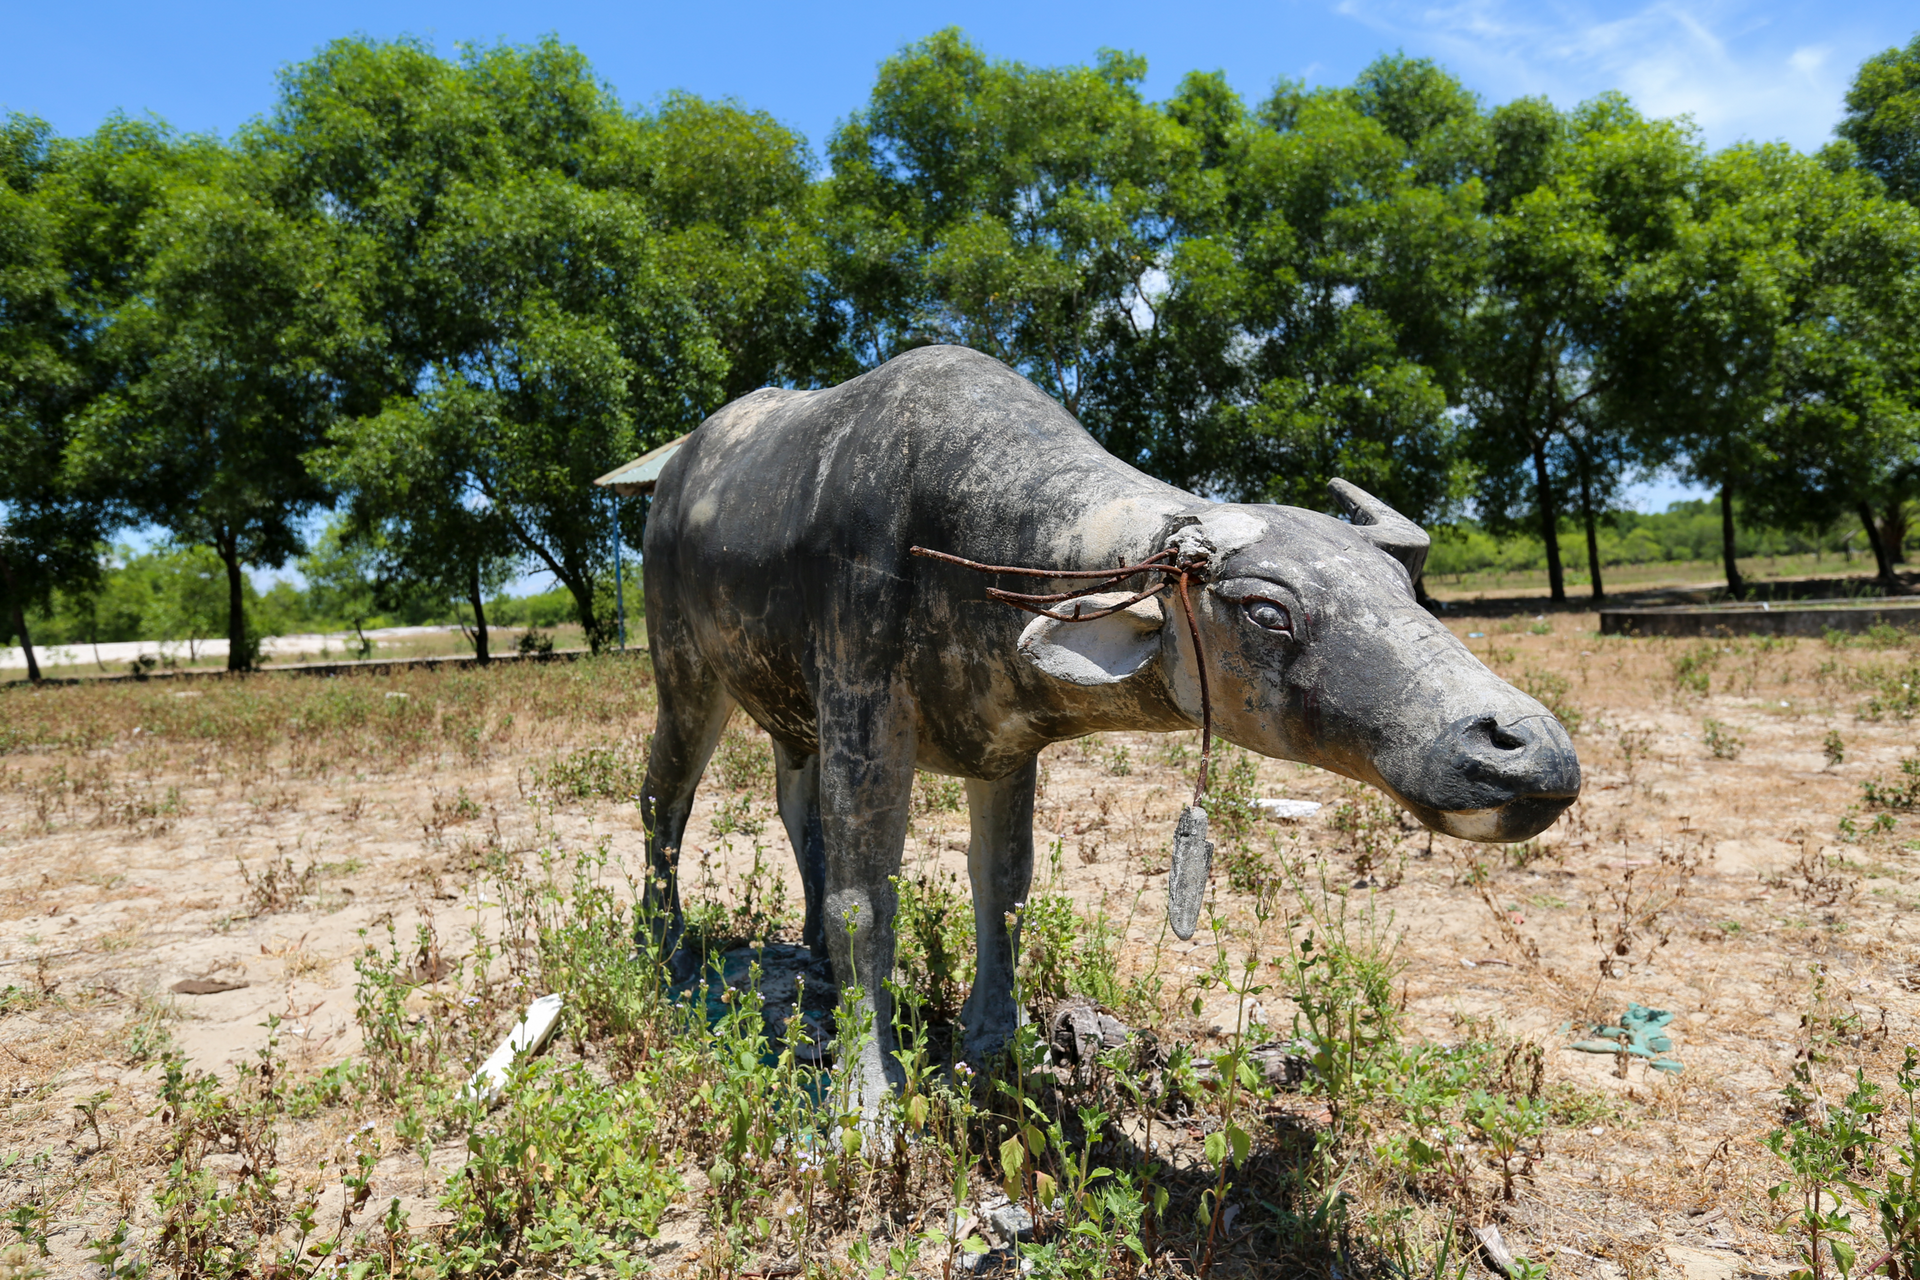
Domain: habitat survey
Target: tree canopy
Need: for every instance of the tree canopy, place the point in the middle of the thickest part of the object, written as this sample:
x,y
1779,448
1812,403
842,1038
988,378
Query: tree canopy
x,y
437,295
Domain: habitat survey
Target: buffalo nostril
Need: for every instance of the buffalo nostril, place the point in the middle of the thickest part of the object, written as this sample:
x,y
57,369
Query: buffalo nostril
x,y
1488,730
1510,738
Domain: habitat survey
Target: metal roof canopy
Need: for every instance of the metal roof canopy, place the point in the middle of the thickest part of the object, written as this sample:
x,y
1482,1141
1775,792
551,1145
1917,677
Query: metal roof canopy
x,y
640,475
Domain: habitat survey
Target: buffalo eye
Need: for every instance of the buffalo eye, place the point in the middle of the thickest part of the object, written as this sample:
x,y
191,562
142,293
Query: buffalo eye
x,y
1269,615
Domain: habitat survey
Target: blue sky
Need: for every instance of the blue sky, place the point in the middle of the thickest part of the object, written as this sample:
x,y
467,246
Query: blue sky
x,y
1743,69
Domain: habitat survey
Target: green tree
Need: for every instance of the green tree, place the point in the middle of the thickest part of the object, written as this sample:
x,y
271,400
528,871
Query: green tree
x,y
415,519
1552,355
1882,123
70,213
553,285
1355,218
1049,217
1883,119
1844,437
1763,313
225,339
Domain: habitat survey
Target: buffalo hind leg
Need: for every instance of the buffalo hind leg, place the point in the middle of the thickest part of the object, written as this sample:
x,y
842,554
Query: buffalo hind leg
x,y
1000,864
693,712
797,788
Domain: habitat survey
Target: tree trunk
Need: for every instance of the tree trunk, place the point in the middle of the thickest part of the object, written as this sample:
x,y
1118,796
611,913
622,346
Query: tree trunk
x,y
1893,531
479,618
20,620
581,589
1593,537
1880,556
238,659
1735,588
1549,524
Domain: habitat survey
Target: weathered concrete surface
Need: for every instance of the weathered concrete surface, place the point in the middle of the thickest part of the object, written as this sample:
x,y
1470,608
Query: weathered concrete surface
x,y
779,579
1795,618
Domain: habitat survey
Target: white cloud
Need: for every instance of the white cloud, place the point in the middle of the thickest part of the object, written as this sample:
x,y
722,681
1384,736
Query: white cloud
x,y
1732,66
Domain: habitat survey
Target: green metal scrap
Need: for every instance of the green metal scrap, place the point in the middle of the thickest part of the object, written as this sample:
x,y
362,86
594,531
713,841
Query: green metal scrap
x,y
1640,1034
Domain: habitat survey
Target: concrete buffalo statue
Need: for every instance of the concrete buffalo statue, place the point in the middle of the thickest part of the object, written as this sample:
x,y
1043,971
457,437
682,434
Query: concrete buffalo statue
x,y
780,579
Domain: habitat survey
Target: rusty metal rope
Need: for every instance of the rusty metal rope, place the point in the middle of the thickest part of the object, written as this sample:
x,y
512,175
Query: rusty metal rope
x,y
1174,572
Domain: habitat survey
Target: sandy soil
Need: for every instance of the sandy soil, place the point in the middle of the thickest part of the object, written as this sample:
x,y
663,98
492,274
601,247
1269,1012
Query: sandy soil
x,y
130,866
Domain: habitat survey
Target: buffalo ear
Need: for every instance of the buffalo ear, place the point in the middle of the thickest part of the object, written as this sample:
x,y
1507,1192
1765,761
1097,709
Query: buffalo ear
x,y
1101,650
1384,527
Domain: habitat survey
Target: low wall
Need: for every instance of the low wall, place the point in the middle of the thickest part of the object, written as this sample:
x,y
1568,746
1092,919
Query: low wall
x,y
1790,618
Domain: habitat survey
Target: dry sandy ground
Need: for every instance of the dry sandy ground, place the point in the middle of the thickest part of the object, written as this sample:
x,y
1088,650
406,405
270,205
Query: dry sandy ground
x,y
131,866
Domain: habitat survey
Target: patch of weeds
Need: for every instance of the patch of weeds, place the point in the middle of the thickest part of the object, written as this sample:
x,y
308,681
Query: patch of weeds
x,y
1233,792
530,642
206,1224
755,910
934,956
1817,879
1897,1208
1526,853
146,1037
1722,740
743,758
594,773
1550,690
933,793
1513,1127
1632,926
1691,670
1339,971
1835,748
1066,953
1119,761
1828,1149
1892,692
1371,825
1899,792
277,886
1249,869
1571,1107
736,816
1635,746
1174,750
565,1169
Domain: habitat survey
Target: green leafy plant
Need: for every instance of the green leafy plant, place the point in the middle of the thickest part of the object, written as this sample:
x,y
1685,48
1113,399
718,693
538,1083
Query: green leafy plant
x,y
1828,1151
1722,740
1899,792
1898,1206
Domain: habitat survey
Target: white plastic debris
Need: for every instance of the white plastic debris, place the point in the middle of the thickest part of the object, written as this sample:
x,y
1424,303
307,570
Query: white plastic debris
x,y
528,1037
1289,808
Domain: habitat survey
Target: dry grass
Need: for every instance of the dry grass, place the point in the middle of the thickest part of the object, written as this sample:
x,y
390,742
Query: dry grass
x,y
250,831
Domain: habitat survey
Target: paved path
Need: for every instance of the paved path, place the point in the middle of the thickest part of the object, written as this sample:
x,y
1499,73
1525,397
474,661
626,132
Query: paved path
x,y
116,655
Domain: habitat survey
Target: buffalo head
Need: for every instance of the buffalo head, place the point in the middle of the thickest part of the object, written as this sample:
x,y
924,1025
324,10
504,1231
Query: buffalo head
x,y
1317,651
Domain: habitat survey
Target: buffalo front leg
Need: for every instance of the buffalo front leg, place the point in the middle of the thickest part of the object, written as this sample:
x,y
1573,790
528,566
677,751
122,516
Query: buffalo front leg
x,y
1000,864
866,787
693,712
797,790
